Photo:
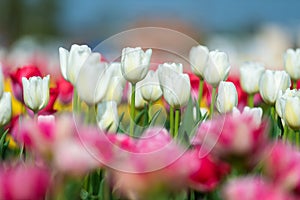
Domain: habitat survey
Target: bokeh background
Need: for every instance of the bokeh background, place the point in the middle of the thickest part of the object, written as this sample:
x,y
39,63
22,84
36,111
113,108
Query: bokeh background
x,y
253,30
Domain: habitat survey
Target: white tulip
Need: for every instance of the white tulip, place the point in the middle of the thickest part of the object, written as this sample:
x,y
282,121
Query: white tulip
x,y
198,58
163,69
250,76
288,108
135,63
36,92
139,101
271,82
6,108
115,88
150,87
1,81
255,113
94,79
107,116
72,61
217,68
227,97
176,86
292,63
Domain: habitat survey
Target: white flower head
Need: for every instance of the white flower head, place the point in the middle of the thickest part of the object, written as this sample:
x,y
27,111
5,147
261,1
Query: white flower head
x,y
36,92
217,68
135,63
198,58
72,61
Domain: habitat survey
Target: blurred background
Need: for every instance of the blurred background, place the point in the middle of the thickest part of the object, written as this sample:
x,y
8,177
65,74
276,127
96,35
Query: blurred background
x,y
254,30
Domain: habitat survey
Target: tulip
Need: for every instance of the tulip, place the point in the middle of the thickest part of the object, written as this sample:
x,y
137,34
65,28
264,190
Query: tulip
x,y
72,61
254,113
150,87
16,77
6,108
36,92
217,68
271,83
250,76
94,79
65,90
250,188
227,97
107,116
164,69
115,88
292,63
38,181
198,58
281,165
135,63
232,136
175,86
288,108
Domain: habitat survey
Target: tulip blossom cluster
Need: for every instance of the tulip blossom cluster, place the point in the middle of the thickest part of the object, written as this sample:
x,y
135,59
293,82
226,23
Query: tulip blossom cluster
x,y
132,129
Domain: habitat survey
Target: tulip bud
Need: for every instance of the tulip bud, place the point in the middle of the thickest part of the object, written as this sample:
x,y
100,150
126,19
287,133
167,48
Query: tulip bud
x,y
115,88
271,83
198,59
36,92
163,69
107,116
150,87
135,63
6,108
72,61
217,68
93,81
292,63
288,108
176,86
227,97
250,76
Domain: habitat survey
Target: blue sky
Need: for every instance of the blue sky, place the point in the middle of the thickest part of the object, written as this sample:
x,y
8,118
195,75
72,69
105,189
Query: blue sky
x,y
115,15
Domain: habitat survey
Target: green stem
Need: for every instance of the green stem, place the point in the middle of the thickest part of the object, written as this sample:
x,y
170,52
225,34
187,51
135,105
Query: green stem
x,y
75,101
149,111
212,103
294,84
200,91
297,138
177,121
132,110
91,115
285,134
172,120
250,100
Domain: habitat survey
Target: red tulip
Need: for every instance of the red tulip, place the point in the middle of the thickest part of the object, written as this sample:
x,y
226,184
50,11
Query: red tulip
x,y
16,77
65,90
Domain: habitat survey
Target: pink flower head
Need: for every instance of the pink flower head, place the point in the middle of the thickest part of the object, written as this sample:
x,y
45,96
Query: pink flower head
x,y
281,163
42,134
252,188
231,136
208,172
24,182
155,166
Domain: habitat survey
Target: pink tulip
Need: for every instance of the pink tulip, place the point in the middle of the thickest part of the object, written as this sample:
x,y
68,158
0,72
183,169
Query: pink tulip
x,y
252,188
281,164
208,173
153,168
24,182
231,136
